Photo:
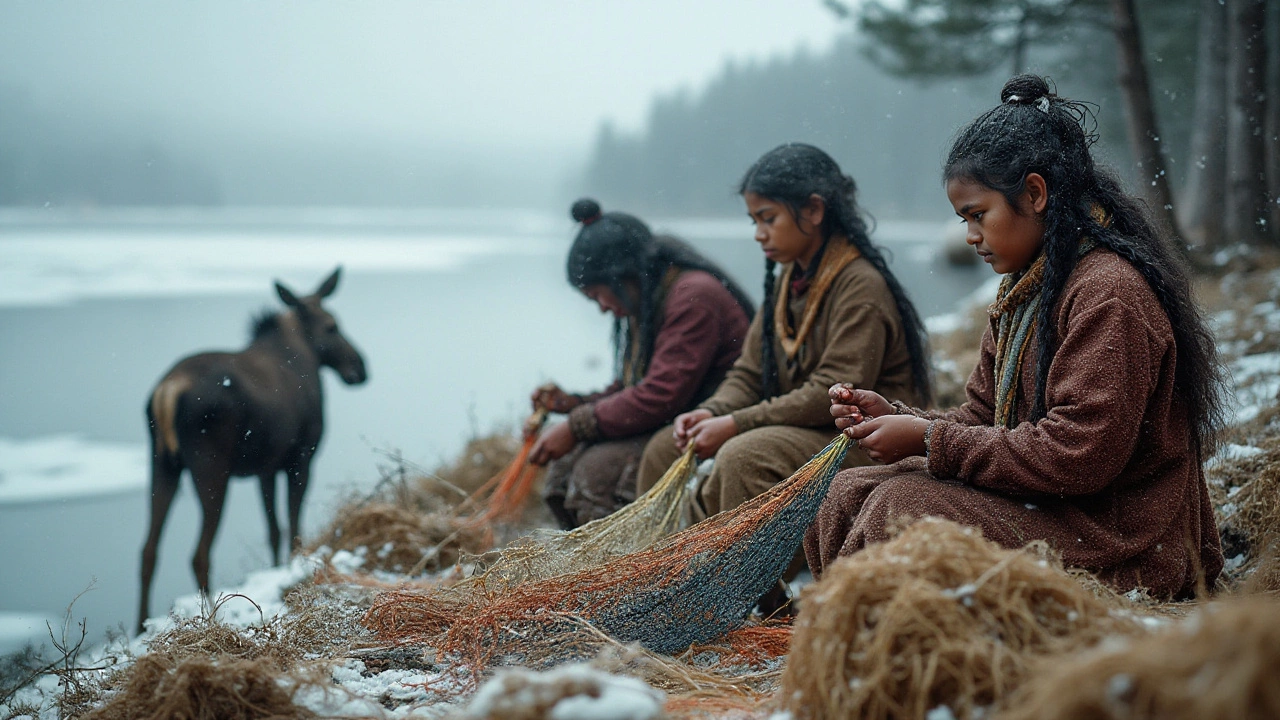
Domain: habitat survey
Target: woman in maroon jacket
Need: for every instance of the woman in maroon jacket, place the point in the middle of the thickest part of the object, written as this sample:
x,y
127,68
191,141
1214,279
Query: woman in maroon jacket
x,y
679,324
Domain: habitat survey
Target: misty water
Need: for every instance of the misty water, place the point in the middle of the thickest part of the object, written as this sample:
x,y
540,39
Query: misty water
x,y
459,315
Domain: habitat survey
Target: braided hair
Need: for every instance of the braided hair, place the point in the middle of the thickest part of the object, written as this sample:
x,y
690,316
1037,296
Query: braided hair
x,y
614,249
1033,130
791,174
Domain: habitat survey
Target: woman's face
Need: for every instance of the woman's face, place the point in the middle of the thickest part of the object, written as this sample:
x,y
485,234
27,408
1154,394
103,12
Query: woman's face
x,y
1007,238
607,299
785,237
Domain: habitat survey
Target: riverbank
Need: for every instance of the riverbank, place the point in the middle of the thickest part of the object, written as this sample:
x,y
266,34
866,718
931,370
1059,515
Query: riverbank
x,y
295,634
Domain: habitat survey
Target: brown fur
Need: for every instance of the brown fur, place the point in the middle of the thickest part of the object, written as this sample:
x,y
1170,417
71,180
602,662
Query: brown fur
x,y
257,412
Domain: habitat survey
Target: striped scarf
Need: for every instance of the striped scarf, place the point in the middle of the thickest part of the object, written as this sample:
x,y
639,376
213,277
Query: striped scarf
x,y
1015,311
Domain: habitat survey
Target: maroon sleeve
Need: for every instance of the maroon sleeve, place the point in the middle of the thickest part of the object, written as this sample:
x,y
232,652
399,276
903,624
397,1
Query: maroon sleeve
x,y
687,344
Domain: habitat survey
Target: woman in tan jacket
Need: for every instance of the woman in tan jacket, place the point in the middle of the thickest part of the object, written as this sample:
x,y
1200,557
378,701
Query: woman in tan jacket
x,y
836,312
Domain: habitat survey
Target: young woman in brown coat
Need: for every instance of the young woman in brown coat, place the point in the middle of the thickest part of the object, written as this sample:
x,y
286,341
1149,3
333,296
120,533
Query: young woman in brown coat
x,y
1097,394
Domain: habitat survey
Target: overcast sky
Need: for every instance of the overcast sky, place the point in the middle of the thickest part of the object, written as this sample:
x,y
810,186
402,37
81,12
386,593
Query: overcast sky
x,y
474,73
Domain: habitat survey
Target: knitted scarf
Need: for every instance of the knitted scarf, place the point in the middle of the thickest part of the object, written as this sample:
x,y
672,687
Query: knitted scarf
x,y
835,258
1015,311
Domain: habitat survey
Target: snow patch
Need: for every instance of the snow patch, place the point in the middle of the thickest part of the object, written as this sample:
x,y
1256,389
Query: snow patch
x,y
17,630
58,467
571,692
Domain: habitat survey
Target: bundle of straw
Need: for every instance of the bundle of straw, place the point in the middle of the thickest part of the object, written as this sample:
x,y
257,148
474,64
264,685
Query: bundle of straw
x,y
937,616
1220,663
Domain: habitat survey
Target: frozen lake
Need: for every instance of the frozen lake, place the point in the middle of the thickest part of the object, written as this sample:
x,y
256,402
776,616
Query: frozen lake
x,y
459,316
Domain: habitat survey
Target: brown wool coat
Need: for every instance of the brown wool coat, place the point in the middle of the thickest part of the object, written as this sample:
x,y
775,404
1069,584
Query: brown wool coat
x,y
1109,477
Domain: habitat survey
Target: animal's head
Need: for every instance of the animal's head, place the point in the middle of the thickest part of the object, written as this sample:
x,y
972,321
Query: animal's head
x,y
321,330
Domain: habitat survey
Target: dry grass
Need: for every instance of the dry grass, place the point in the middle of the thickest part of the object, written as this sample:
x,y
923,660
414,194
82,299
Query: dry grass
x,y
1245,491
937,616
203,668
202,688
1220,664
412,521
401,540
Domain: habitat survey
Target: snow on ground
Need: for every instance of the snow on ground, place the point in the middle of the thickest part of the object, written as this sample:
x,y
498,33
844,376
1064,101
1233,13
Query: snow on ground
x,y
68,466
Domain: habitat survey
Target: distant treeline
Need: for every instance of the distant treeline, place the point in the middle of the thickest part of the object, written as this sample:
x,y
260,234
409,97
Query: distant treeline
x,y
60,160
889,133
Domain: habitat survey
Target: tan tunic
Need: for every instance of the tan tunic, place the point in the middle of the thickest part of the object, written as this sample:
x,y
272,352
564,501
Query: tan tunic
x,y
1109,477
857,337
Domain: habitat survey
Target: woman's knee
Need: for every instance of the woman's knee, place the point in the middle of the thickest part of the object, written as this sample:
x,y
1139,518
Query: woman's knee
x,y
894,500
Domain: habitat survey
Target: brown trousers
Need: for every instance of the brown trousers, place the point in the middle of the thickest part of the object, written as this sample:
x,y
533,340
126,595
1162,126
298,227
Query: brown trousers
x,y
593,480
746,466
864,504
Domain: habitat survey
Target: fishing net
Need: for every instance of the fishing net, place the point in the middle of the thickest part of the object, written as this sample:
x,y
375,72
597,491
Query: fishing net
x,y
1220,663
510,488
687,588
937,616
546,553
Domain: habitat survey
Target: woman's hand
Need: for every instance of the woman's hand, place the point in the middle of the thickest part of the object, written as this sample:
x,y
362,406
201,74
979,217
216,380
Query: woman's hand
x,y
710,433
889,438
684,423
551,397
850,406
556,442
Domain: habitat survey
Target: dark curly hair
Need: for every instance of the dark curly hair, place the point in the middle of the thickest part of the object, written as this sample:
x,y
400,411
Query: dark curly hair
x,y
615,248
791,174
1033,130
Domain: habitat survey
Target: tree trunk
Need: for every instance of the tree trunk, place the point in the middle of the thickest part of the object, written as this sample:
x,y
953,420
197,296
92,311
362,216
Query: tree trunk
x,y
1205,193
1273,114
1020,42
1248,212
1140,115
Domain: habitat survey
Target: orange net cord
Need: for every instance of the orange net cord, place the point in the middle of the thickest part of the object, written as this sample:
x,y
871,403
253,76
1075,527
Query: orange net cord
x,y
513,484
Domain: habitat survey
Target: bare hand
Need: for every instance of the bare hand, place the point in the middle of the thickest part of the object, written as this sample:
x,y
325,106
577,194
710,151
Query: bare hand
x,y
709,434
850,406
684,423
889,438
551,397
556,442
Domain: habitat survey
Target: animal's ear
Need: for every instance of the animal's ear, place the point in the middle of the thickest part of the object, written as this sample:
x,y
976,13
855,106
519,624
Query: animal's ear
x,y
287,295
330,284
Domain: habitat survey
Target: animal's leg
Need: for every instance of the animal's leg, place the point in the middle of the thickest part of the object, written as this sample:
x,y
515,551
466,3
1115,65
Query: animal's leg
x,y
267,483
165,473
211,487
299,476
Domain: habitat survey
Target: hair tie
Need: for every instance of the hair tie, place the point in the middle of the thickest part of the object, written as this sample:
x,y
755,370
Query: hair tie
x,y
1043,104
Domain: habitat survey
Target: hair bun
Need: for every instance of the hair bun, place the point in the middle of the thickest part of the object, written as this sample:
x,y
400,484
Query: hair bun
x,y
585,211
1024,89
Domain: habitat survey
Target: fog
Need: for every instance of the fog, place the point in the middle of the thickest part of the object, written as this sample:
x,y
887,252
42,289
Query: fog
x,y
488,102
